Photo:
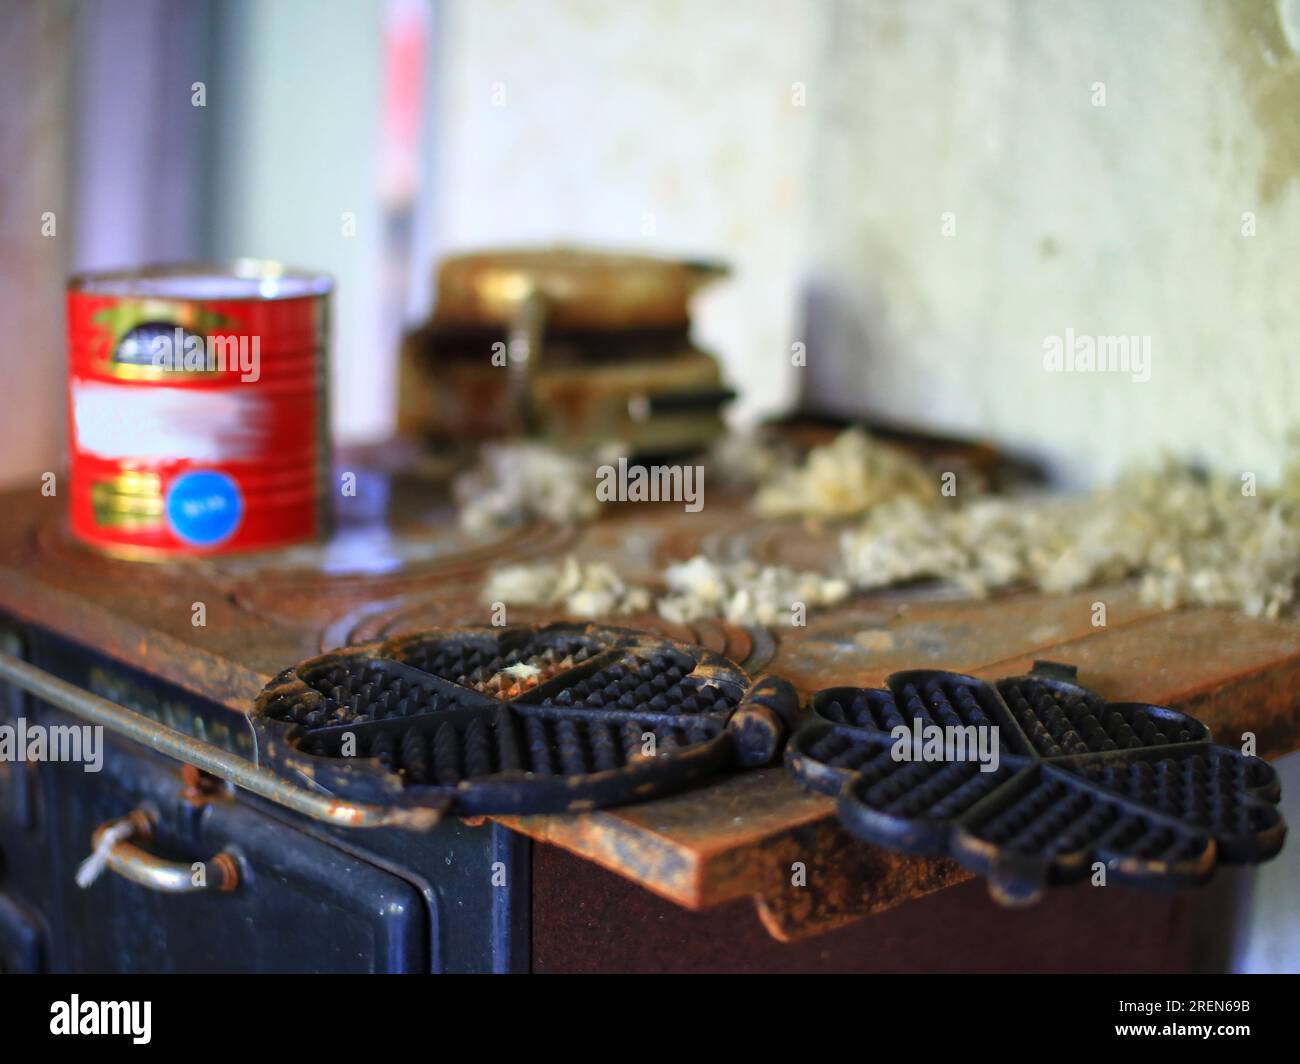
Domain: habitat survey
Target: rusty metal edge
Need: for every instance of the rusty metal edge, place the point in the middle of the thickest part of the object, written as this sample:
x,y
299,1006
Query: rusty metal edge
x,y
213,759
689,877
209,676
651,861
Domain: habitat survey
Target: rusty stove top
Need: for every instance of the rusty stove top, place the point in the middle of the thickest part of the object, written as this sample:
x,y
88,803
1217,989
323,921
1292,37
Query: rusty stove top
x,y
397,562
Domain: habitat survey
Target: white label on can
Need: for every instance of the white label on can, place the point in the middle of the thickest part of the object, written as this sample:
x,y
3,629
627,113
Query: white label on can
x,y
112,421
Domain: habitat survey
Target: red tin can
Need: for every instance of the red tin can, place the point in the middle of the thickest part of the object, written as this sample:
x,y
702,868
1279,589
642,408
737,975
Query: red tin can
x,y
197,409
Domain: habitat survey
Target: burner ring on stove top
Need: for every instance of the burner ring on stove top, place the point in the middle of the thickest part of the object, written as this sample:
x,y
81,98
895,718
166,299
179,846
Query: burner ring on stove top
x,y
521,719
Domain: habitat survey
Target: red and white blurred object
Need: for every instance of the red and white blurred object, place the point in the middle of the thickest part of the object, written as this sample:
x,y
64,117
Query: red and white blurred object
x,y
197,409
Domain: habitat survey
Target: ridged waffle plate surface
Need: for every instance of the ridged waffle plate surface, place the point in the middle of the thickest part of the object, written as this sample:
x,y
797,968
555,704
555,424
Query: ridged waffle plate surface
x,y
1076,781
519,720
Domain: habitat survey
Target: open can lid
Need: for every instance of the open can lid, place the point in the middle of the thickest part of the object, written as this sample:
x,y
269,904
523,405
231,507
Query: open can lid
x,y
259,279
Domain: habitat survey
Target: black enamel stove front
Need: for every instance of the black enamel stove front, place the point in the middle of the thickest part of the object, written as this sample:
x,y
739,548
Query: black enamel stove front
x,y
310,898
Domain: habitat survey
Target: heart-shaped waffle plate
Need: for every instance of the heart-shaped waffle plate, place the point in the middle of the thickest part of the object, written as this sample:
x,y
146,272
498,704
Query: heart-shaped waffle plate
x,y
1076,781
519,720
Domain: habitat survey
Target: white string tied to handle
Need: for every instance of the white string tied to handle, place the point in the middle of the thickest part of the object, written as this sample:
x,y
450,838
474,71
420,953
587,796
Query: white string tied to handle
x,y
93,866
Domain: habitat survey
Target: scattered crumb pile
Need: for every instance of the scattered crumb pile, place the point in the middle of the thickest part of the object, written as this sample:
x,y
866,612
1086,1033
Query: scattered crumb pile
x,y
1189,538
584,589
843,478
518,482
521,481
742,592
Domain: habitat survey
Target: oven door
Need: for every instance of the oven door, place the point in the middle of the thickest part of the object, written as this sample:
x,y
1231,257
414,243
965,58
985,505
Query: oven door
x,y
219,886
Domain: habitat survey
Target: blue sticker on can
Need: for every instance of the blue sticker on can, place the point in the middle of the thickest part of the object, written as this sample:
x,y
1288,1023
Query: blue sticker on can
x,y
204,508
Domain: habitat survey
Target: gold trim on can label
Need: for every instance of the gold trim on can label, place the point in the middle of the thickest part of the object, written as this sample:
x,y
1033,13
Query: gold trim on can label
x,y
129,501
123,317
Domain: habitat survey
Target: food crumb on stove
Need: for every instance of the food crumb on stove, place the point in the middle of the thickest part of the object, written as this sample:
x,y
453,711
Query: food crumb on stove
x,y
521,670
844,478
1187,537
742,592
518,482
584,589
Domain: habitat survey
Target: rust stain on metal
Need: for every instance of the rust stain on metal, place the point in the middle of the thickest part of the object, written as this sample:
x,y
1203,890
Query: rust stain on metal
x,y
738,837
823,878
202,788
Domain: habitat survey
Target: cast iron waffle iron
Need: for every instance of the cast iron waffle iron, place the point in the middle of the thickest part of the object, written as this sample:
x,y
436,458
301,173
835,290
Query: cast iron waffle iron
x,y
519,720
1142,789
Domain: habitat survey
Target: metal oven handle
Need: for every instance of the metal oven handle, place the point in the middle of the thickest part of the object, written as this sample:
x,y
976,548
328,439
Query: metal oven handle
x,y
112,850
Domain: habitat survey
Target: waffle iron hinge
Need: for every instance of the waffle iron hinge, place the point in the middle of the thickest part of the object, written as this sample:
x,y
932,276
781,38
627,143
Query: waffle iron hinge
x,y
765,718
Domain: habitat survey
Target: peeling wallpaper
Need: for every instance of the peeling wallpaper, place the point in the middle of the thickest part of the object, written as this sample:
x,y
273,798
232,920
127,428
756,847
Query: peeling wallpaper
x,y
1114,215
